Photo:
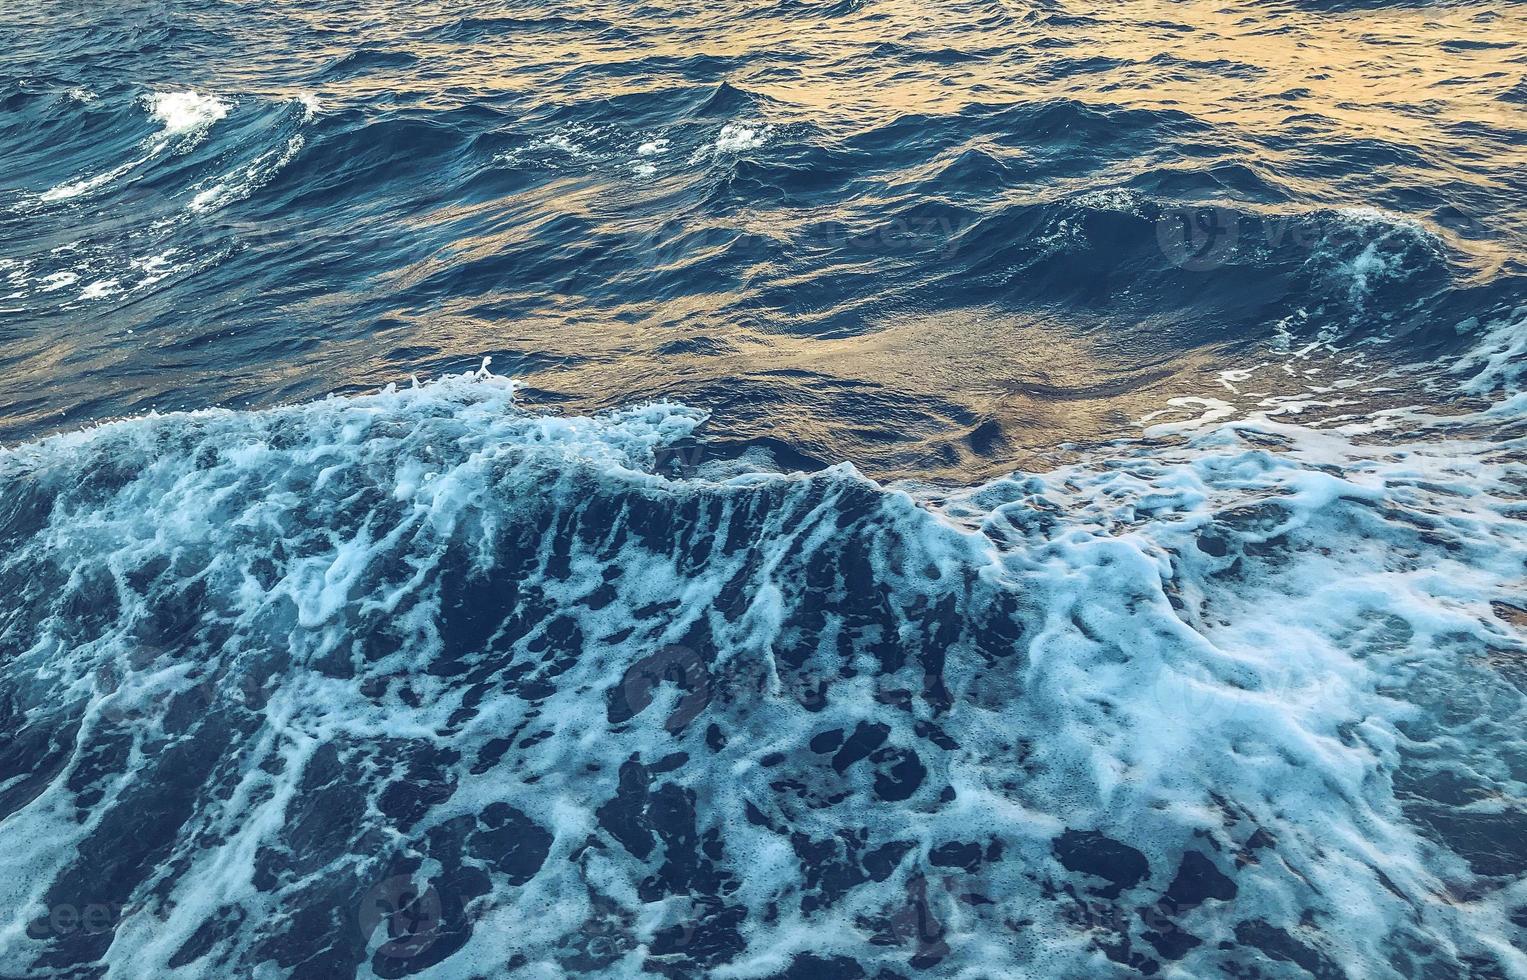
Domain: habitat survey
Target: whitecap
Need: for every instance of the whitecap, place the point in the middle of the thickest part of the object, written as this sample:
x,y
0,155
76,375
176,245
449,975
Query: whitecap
x,y
58,280
185,113
734,138
64,192
311,106
245,180
100,289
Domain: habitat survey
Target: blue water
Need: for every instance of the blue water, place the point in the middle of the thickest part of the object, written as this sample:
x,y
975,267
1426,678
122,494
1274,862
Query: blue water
x,y
857,489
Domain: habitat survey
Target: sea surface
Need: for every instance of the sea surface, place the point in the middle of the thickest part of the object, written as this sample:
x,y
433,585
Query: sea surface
x,y
807,490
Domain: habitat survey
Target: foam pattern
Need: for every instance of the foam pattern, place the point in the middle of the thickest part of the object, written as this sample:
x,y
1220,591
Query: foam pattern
x,y
418,682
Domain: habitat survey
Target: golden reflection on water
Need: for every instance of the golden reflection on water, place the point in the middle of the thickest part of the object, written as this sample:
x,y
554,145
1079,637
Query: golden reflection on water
x,y
1384,73
1279,86
945,398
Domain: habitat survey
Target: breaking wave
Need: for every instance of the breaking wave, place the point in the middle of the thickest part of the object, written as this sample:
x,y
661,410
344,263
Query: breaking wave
x,y
385,678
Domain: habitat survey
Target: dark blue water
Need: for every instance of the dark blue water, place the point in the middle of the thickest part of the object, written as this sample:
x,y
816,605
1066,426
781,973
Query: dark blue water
x,y
973,489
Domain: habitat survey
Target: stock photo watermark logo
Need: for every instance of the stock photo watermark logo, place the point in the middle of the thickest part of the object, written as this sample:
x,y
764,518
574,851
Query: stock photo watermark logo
x,y
63,920
408,913
681,459
1199,239
676,664
181,221
1206,237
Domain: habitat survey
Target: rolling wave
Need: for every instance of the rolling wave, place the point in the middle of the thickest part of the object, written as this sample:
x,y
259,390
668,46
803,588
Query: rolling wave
x,y
381,678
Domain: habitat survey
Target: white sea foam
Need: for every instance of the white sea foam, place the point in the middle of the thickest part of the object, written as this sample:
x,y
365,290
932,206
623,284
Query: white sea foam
x,y
100,289
64,192
645,166
1495,362
1390,248
734,138
311,106
1240,645
186,113
154,268
562,143
59,280
1121,199
245,180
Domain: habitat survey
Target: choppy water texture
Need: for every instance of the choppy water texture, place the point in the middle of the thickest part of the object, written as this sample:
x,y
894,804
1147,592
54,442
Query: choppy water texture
x,y
985,490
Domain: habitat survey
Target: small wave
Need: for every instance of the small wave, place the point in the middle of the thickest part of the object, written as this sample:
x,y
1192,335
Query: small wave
x,y
244,180
580,146
1391,248
183,115
143,236
249,178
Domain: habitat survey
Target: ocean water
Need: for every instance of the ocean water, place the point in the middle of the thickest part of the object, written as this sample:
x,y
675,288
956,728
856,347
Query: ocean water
x,y
858,489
